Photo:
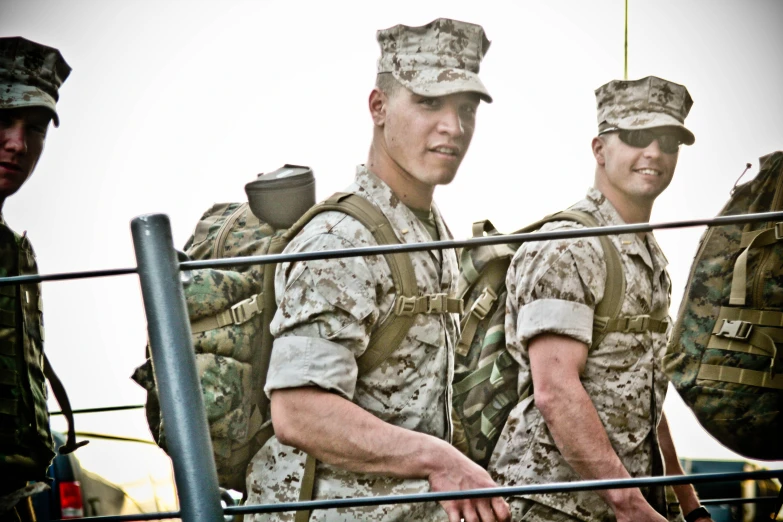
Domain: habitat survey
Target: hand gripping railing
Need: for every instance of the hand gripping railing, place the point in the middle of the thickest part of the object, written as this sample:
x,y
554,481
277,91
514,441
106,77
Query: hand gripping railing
x,y
182,405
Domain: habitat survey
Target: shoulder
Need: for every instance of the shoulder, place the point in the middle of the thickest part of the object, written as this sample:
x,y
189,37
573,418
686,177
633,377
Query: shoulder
x,y
331,230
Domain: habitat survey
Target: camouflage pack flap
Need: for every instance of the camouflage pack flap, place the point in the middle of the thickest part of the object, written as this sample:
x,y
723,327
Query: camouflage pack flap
x,y
226,313
723,356
229,230
225,385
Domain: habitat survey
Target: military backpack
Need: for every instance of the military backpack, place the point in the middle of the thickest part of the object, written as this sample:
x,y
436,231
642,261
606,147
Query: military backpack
x,y
486,378
230,312
725,356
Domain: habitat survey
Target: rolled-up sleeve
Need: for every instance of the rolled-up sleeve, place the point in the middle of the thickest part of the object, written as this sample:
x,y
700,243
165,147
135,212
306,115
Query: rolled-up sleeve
x,y
326,311
309,361
554,287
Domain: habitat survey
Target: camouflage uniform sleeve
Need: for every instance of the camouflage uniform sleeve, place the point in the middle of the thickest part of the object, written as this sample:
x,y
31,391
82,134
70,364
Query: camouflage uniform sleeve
x,y
326,309
554,286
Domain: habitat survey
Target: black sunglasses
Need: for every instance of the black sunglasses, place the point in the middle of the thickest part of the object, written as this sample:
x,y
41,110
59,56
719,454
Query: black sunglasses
x,y
641,138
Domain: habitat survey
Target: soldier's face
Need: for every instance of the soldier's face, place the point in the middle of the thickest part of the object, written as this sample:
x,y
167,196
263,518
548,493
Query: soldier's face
x,y
428,137
22,136
639,174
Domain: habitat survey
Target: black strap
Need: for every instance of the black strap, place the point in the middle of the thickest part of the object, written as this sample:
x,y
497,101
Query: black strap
x,y
65,405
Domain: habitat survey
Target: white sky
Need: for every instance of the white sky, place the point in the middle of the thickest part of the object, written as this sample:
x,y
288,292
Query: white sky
x,y
175,105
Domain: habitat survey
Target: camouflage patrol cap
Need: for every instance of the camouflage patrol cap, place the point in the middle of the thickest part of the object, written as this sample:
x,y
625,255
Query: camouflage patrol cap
x,y
644,104
440,58
30,75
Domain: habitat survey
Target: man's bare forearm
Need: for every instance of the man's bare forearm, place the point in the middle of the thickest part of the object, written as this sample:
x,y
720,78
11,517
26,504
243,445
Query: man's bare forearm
x,y
581,437
338,432
556,364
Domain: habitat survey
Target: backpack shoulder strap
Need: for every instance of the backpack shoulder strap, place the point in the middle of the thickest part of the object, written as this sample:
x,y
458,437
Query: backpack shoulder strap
x,y
608,309
395,327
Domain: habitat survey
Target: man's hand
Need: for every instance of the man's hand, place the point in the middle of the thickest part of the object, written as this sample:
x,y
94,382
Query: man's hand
x,y
633,507
459,473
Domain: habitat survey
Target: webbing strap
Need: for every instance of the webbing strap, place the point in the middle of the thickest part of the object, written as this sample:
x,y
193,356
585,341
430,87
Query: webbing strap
x,y
306,491
633,323
493,367
390,333
611,304
468,271
65,405
733,375
239,313
427,304
752,315
393,329
482,228
755,239
469,324
499,403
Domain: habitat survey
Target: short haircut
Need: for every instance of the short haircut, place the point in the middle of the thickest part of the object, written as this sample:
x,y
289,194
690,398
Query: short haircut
x,y
387,83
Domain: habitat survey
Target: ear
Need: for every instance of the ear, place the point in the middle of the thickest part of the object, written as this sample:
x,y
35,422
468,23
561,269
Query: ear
x,y
599,149
378,103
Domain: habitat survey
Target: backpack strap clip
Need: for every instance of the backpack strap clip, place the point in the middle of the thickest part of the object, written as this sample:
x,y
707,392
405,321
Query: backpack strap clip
x,y
244,310
427,304
735,329
239,313
637,323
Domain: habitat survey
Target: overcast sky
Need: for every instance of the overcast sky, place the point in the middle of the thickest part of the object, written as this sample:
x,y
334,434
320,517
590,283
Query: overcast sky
x,y
175,105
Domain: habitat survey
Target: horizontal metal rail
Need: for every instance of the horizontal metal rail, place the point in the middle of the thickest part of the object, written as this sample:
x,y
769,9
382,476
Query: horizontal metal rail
x,y
557,487
418,247
102,409
735,501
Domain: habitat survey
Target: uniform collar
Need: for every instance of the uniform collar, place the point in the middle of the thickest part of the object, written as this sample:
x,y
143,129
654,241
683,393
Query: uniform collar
x,y
630,244
406,225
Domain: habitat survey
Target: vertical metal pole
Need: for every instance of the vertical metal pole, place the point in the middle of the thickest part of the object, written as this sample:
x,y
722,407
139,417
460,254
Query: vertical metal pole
x,y
625,46
174,365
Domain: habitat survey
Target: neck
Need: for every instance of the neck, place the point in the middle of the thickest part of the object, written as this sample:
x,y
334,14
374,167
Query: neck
x,y
632,210
408,189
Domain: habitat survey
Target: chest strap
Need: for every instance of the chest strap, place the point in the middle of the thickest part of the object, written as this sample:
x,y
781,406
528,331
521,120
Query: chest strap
x,y
632,323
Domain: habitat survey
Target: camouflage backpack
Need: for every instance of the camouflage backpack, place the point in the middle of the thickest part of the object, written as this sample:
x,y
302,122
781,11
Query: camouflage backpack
x,y
486,377
723,356
230,313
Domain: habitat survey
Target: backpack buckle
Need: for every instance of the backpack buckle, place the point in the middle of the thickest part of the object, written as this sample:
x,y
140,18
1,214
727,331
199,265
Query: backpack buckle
x,y
484,303
779,230
405,305
735,330
244,310
436,303
637,323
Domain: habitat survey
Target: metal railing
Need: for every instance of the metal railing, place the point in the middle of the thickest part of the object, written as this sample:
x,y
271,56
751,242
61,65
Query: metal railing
x,y
181,401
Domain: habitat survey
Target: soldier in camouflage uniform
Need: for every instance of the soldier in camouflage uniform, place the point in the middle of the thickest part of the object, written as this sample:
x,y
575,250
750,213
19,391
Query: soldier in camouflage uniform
x,y
387,431
30,75
595,410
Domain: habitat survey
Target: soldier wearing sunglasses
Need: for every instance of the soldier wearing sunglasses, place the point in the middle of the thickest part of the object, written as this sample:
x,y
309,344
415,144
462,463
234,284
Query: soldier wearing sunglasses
x,y
596,411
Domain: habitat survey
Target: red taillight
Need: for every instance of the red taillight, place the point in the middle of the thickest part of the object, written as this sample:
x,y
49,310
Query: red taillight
x,y
71,500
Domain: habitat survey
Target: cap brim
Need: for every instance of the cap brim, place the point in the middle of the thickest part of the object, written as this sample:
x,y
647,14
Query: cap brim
x,y
652,120
15,96
442,82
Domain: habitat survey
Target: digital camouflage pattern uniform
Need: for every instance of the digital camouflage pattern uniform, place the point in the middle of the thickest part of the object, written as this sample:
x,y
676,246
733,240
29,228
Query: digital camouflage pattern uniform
x,y
30,76
327,311
553,287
